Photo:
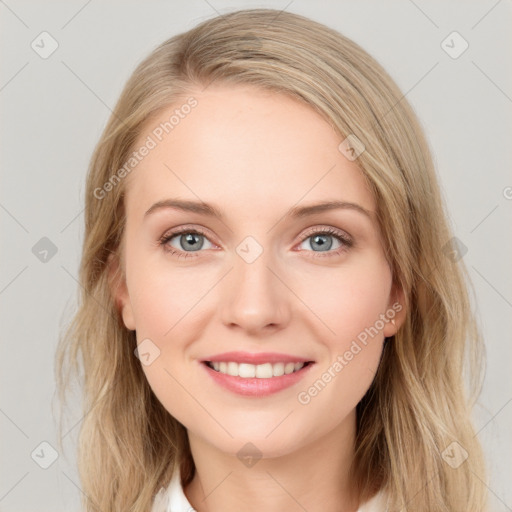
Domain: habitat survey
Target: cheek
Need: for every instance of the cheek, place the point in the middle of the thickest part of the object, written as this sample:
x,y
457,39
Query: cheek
x,y
164,311
166,303
350,304
163,297
348,300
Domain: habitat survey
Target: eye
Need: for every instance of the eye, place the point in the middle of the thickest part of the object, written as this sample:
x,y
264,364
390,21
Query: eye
x,y
187,241
192,240
321,239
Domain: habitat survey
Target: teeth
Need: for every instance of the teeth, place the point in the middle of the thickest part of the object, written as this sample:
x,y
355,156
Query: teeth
x,y
233,369
247,371
289,368
264,371
260,371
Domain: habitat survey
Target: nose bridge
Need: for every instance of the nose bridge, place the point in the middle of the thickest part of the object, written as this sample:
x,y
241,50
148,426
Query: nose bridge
x,y
255,298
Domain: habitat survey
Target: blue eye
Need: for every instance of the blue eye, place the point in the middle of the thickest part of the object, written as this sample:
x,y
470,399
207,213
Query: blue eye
x,y
320,239
194,239
187,238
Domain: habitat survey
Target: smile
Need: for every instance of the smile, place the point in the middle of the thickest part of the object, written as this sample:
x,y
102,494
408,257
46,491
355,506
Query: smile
x,y
260,371
256,380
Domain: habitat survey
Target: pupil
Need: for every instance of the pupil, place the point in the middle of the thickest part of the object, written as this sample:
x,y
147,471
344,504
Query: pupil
x,y
190,238
323,245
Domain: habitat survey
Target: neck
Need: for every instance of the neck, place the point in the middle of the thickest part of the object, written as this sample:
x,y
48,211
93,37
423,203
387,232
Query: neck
x,y
315,477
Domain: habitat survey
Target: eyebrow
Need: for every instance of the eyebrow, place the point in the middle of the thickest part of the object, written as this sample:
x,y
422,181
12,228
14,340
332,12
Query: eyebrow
x,y
209,210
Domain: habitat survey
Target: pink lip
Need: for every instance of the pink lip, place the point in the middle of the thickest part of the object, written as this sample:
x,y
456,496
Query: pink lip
x,y
259,358
254,386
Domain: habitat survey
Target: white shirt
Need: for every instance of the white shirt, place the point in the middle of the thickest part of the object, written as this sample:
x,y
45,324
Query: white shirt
x,y
173,499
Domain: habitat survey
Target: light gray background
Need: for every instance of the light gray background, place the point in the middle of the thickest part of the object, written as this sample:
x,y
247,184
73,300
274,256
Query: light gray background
x,y
53,111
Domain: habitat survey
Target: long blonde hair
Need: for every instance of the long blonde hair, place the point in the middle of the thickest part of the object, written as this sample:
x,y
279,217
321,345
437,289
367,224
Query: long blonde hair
x,y
417,407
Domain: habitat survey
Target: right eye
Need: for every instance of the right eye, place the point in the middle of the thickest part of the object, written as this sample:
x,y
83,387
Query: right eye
x,y
186,238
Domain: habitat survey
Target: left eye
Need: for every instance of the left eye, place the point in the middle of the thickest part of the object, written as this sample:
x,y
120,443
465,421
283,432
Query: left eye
x,y
322,240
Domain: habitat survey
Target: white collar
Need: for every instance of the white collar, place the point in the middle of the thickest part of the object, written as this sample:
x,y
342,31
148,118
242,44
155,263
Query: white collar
x,y
173,499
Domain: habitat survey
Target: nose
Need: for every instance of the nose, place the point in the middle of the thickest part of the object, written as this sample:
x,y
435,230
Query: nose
x,y
254,298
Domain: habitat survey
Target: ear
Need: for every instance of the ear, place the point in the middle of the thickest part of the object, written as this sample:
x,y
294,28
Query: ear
x,y
396,310
119,291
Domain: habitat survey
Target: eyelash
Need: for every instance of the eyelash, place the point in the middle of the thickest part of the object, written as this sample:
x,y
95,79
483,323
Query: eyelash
x,y
344,239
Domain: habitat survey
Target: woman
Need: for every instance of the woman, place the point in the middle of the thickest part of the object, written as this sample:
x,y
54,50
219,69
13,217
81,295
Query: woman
x,y
270,318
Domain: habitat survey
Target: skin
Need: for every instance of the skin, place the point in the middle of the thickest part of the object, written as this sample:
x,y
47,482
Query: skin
x,y
254,155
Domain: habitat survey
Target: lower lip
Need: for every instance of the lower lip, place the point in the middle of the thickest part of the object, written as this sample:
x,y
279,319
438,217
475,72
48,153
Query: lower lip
x,y
254,386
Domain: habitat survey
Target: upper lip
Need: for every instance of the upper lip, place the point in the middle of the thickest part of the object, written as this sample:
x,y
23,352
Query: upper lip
x,y
257,358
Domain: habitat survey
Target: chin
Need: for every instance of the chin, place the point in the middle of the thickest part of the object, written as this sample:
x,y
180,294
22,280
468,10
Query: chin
x,y
250,448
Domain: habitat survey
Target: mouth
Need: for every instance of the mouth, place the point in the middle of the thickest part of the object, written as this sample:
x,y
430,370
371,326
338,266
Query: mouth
x,y
256,380
256,371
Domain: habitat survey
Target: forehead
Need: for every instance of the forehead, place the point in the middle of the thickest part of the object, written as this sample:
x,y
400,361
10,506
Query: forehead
x,y
243,147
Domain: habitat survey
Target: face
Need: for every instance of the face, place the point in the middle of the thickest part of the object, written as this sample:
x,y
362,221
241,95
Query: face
x,y
268,277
